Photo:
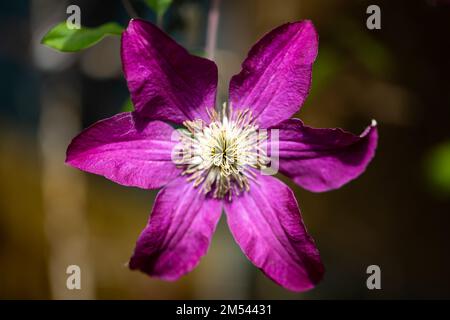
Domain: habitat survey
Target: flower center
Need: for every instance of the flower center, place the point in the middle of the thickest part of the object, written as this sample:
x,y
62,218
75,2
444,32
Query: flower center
x,y
220,157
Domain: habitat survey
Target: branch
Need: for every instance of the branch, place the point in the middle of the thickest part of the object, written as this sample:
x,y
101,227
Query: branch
x,y
213,24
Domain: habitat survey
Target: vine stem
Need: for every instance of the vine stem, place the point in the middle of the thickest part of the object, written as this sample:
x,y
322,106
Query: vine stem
x,y
213,25
159,21
129,8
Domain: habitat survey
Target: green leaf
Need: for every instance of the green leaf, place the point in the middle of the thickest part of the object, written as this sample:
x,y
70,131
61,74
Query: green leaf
x,y
64,39
159,6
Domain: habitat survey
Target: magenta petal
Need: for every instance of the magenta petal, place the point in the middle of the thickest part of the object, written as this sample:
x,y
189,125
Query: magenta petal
x,y
323,159
276,76
267,225
165,81
178,233
126,149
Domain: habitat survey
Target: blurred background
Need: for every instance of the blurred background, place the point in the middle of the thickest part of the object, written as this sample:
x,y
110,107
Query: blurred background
x,y
396,215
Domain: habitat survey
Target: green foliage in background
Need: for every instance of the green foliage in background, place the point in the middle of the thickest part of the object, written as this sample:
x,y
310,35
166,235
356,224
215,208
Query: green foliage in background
x,y
364,47
127,106
64,39
159,6
437,168
326,68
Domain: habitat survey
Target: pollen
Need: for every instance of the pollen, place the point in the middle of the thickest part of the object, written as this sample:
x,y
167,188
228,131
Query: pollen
x,y
220,157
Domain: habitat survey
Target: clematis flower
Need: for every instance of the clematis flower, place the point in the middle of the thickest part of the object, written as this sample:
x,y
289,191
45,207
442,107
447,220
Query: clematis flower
x,y
218,164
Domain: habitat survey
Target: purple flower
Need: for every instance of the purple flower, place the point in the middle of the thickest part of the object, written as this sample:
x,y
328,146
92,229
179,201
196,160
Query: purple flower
x,y
219,162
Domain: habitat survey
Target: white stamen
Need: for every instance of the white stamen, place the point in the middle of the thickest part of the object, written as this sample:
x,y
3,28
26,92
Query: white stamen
x,y
217,157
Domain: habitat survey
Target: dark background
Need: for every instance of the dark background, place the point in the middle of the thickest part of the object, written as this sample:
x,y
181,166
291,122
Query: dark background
x,y
396,215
